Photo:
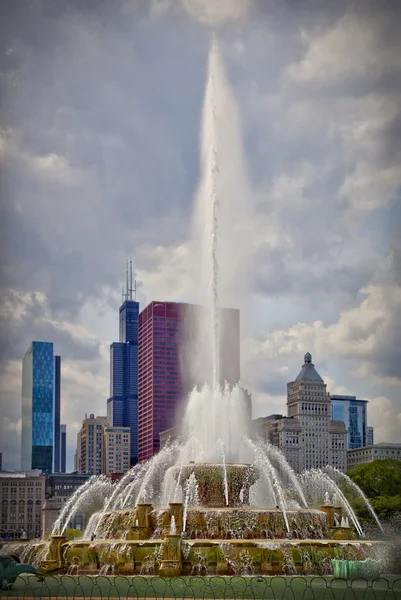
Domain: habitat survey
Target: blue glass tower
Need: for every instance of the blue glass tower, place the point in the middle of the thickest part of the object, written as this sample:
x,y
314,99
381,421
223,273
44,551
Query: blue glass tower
x,y
40,408
353,413
122,406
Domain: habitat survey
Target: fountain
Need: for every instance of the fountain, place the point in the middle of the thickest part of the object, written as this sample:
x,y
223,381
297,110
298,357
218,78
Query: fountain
x,y
214,501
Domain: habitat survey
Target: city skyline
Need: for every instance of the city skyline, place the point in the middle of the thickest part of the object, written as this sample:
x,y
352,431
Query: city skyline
x,y
100,154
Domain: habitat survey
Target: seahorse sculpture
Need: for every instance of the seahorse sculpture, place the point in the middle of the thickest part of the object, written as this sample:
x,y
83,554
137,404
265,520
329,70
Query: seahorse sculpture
x,y
10,568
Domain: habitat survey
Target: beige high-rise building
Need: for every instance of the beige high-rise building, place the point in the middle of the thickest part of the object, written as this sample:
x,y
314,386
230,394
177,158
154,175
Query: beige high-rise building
x,y
116,449
89,456
307,436
102,448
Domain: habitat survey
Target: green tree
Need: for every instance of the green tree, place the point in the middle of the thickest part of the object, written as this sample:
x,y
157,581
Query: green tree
x,y
73,533
378,478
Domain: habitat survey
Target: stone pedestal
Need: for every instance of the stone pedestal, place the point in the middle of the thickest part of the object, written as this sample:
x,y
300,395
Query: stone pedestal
x,y
50,512
343,533
330,510
338,511
171,565
144,527
176,510
54,559
137,533
337,532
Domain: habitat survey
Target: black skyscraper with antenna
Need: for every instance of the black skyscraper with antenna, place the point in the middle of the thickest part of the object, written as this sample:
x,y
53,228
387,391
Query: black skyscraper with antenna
x,y
122,406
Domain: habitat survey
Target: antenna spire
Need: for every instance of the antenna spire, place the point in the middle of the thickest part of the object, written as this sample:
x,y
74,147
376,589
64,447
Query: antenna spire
x,y
130,278
126,277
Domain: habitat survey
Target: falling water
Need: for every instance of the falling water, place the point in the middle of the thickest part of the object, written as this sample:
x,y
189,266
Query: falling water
x,y
191,497
93,491
338,476
286,474
224,470
268,471
316,483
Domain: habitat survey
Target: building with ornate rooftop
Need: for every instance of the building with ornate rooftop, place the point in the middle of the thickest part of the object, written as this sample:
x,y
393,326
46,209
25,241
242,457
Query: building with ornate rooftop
x,y
308,437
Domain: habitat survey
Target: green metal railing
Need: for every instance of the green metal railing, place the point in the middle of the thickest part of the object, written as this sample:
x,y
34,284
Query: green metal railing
x,y
277,588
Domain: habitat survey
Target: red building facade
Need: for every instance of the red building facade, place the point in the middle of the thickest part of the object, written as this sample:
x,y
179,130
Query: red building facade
x,y
167,332
159,383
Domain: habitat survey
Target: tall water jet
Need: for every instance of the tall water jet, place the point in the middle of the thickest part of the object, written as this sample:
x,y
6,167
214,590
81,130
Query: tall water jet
x,y
220,220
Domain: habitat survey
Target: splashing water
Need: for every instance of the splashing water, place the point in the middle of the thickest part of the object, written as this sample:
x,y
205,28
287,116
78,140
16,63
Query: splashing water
x,y
224,470
191,497
91,495
338,476
316,483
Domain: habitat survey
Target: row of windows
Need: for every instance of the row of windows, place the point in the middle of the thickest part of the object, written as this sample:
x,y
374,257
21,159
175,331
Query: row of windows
x,y
368,452
20,485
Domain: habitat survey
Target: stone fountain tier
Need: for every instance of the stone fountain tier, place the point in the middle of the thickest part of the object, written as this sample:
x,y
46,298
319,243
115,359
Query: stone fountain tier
x,y
245,523
174,556
219,484
146,522
177,556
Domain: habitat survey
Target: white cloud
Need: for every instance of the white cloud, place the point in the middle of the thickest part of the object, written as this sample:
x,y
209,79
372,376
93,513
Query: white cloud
x,y
354,46
164,271
267,404
385,416
370,186
359,334
55,167
11,377
216,12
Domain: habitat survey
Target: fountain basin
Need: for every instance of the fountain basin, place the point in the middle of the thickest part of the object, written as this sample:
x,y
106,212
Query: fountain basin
x,y
206,556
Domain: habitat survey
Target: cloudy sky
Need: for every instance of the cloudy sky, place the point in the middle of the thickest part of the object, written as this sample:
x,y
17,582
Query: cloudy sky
x,y
100,105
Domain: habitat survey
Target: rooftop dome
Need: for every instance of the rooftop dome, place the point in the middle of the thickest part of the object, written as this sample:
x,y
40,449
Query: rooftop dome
x,y
308,371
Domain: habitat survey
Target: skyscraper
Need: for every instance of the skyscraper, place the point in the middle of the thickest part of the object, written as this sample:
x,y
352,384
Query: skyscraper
x,y
102,448
63,448
90,444
116,449
40,408
167,351
57,440
122,406
353,413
